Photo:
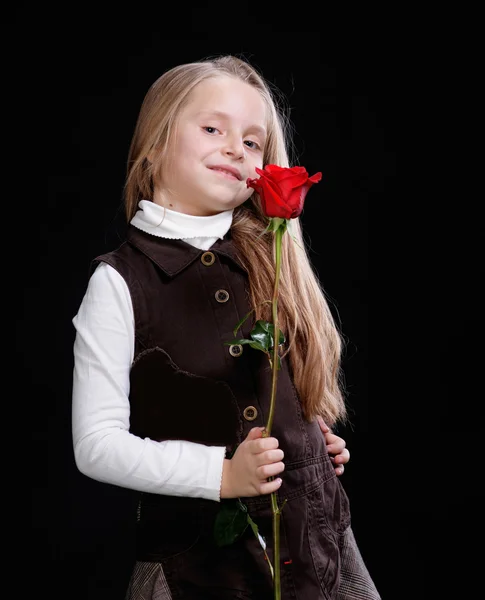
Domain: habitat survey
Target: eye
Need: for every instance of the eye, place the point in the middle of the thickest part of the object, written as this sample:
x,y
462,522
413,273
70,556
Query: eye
x,y
213,129
255,145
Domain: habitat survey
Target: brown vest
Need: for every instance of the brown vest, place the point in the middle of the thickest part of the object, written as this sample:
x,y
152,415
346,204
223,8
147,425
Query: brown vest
x,y
186,384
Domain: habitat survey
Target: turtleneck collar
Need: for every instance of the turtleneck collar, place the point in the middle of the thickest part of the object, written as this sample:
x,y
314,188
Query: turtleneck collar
x,y
163,222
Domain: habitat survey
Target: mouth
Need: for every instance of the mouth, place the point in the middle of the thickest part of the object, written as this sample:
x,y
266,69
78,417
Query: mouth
x,y
227,172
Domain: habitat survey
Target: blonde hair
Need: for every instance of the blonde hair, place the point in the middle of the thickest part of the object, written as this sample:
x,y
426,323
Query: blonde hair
x,y
315,344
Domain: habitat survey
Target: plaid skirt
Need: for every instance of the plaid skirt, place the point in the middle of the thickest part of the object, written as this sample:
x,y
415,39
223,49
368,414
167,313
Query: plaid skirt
x,y
148,581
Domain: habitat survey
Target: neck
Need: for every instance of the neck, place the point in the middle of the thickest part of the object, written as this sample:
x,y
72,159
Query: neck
x,y
182,207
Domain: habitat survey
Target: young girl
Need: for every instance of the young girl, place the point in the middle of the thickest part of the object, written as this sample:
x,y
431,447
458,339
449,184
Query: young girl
x,y
162,406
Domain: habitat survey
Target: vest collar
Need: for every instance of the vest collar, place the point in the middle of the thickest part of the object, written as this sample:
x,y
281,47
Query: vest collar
x,y
173,256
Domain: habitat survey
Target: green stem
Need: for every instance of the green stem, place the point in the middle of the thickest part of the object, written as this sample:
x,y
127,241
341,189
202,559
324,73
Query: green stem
x,y
276,542
274,500
277,241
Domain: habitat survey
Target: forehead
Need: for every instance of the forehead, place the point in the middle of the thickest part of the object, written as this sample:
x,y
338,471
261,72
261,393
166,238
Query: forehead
x,y
229,96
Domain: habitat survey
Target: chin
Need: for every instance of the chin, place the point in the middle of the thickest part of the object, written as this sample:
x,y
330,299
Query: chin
x,y
222,202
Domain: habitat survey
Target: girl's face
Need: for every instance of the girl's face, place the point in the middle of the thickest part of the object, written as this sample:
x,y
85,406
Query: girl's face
x,y
219,142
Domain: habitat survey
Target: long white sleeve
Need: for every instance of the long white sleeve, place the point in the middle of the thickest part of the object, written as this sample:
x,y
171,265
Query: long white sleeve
x,y
104,449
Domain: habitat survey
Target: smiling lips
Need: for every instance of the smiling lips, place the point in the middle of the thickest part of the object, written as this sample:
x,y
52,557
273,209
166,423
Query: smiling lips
x,y
229,172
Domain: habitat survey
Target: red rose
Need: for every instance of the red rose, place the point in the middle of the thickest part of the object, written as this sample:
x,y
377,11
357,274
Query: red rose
x,y
283,189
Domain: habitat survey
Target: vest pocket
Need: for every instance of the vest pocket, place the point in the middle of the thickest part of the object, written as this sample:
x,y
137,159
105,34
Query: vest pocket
x,y
169,403
328,519
332,508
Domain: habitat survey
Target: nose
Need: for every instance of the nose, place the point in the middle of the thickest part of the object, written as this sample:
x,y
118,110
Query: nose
x,y
234,148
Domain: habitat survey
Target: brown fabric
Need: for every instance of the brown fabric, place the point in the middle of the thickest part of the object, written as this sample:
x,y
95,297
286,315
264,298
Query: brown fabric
x,y
148,418
186,384
148,581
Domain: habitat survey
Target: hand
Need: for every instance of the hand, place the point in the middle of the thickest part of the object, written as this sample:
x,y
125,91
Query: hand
x,y
339,455
247,472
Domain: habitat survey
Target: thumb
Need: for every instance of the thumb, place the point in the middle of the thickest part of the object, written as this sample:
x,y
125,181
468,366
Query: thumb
x,y
255,433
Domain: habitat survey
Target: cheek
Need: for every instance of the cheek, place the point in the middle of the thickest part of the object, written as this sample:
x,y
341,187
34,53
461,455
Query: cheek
x,y
255,163
192,145
189,155
248,193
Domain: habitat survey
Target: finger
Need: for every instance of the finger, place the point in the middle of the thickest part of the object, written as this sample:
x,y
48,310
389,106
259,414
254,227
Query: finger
x,y
339,470
255,433
264,444
270,470
270,456
342,458
331,438
323,426
336,446
270,486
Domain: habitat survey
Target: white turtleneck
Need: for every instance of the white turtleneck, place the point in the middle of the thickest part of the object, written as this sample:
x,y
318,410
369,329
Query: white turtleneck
x,y
104,449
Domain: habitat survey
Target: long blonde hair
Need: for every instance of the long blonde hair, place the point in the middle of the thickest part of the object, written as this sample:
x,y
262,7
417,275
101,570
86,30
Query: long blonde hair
x,y
315,344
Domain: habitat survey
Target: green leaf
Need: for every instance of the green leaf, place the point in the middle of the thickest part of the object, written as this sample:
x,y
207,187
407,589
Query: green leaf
x,y
281,335
264,325
265,230
242,506
262,541
277,223
253,344
241,341
230,522
239,325
257,346
261,334
255,529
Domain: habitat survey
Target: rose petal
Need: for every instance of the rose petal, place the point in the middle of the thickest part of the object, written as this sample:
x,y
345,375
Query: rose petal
x,y
315,178
274,204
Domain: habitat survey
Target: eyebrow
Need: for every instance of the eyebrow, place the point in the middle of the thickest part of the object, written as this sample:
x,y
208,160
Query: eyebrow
x,y
223,115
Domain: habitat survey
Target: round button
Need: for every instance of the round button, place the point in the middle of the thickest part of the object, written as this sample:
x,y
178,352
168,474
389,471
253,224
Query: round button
x,y
250,413
208,258
222,296
235,350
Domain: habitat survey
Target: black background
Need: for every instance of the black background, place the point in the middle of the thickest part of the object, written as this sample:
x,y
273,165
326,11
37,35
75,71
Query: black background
x,y
409,308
